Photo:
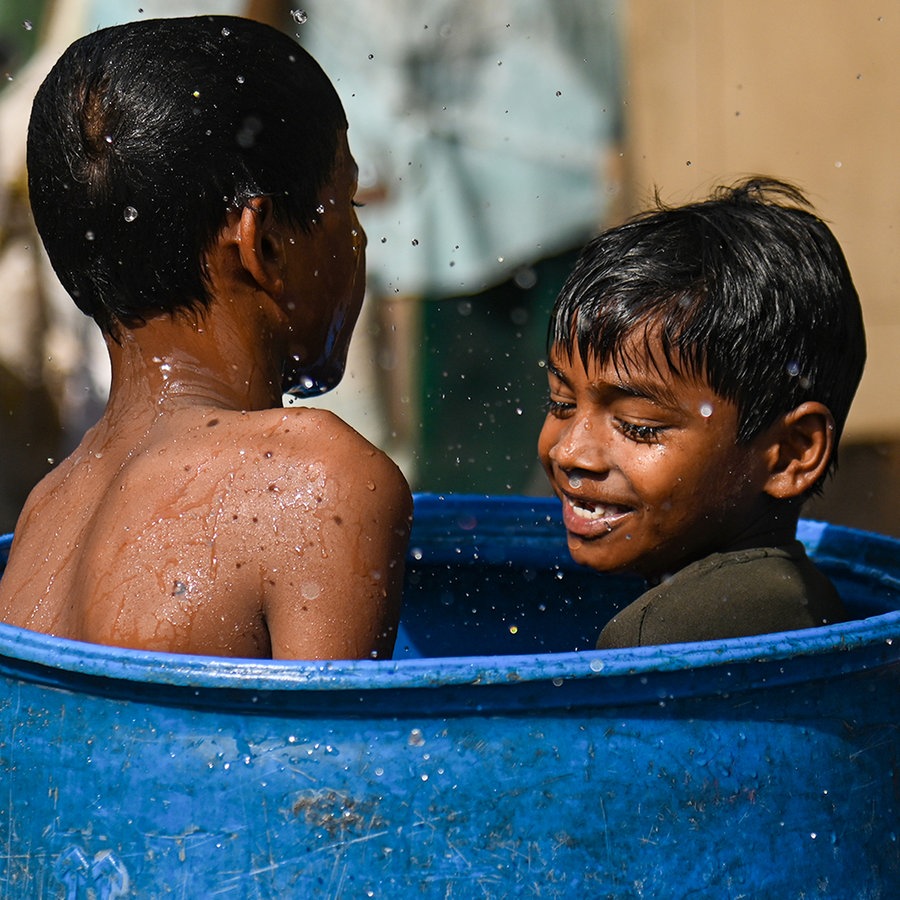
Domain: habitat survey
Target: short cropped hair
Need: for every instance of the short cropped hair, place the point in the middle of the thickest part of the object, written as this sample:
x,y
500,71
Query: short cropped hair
x,y
748,291
144,135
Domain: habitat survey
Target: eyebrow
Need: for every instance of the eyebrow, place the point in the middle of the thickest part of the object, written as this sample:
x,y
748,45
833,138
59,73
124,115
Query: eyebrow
x,y
636,387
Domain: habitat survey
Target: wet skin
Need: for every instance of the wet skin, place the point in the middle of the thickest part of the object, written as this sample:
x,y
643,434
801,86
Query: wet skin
x,y
319,332
198,516
648,468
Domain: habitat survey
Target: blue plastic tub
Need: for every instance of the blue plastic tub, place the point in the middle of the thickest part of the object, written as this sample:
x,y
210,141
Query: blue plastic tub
x,y
496,756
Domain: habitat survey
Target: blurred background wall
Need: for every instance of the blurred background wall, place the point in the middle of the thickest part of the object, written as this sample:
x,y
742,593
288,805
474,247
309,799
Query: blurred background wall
x,y
684,95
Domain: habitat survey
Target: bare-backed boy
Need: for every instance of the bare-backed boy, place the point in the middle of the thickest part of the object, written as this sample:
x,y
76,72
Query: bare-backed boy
x,y
193,186
702,360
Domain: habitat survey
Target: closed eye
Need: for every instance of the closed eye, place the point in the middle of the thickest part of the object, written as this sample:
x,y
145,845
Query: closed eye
x,y
558,408
641,434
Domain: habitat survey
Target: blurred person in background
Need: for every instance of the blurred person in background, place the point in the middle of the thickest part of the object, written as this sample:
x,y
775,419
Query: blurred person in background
x,y
487,137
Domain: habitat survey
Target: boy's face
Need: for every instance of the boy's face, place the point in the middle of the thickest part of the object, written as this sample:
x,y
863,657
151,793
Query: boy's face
x,y
325,281
647,466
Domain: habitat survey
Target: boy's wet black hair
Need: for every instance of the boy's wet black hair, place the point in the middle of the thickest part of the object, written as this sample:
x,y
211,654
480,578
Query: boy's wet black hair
x,y
144,135
748,291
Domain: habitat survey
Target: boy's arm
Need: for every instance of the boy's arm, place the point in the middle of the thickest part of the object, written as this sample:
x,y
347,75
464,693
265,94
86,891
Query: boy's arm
x,y
333,588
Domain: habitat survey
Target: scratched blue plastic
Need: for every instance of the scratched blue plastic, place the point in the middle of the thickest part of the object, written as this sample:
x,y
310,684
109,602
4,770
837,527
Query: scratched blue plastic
x,y
497,755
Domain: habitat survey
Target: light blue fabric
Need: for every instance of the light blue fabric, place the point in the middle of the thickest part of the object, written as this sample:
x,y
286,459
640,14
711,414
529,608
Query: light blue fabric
x,y
103,13
485,123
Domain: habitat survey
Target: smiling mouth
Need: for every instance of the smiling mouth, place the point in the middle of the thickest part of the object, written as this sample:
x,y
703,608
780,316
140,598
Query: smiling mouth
x,y
588,518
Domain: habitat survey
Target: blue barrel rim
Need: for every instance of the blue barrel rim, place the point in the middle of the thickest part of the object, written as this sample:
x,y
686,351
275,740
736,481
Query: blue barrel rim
x,y
147,667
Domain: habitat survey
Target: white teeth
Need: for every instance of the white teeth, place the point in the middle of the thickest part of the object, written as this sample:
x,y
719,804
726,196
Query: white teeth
x,y
598,512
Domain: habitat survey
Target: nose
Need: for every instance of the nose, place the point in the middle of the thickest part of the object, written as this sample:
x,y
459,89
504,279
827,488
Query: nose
x,y
581,447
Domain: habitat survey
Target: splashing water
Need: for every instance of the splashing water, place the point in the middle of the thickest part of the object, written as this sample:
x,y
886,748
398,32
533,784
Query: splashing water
x,y
307,387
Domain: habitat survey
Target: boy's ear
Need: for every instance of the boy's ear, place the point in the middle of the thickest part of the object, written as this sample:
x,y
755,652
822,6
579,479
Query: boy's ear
x,y
261,246
800,446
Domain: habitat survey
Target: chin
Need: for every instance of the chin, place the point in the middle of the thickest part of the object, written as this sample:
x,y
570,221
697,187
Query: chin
x,y
312,381
608,563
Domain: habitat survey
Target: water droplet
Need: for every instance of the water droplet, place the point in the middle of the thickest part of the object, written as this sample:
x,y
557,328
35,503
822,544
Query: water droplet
x,y
370,485
226,32
309,590
27,25
130,213
838,164
596,665
320,209
525,278
559,93
415,242
416,553
299,16
706,410
239,79
89,235
108,139
575,481
416,738
371,56
793,369
557,682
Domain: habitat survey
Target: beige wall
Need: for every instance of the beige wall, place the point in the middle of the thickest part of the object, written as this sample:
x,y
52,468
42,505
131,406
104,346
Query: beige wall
x,y
806,90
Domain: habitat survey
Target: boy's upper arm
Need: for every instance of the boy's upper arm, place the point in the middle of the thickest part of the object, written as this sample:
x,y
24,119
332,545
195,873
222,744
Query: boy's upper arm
x,y
332,588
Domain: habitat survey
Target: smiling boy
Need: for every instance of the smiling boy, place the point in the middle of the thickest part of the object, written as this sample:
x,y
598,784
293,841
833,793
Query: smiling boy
x,y
702,360
193,185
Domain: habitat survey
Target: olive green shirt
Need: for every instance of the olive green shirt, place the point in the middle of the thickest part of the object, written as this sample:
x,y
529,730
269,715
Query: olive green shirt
x,y
725,595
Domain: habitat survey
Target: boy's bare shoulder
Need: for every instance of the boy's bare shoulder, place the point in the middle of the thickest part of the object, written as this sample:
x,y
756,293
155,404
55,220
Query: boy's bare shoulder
x,y
273,470
295,444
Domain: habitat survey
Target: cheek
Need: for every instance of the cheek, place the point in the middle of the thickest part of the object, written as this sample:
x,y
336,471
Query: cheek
x,y
654,468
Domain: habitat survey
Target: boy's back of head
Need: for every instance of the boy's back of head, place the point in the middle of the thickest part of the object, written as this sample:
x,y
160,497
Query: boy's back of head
x,y
164,125
748,291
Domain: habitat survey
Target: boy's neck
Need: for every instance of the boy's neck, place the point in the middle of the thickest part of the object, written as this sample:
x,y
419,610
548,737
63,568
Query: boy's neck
x,y
776,526
179,360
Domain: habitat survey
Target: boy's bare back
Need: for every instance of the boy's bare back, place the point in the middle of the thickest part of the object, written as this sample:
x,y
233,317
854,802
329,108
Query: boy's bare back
x,y
212,531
